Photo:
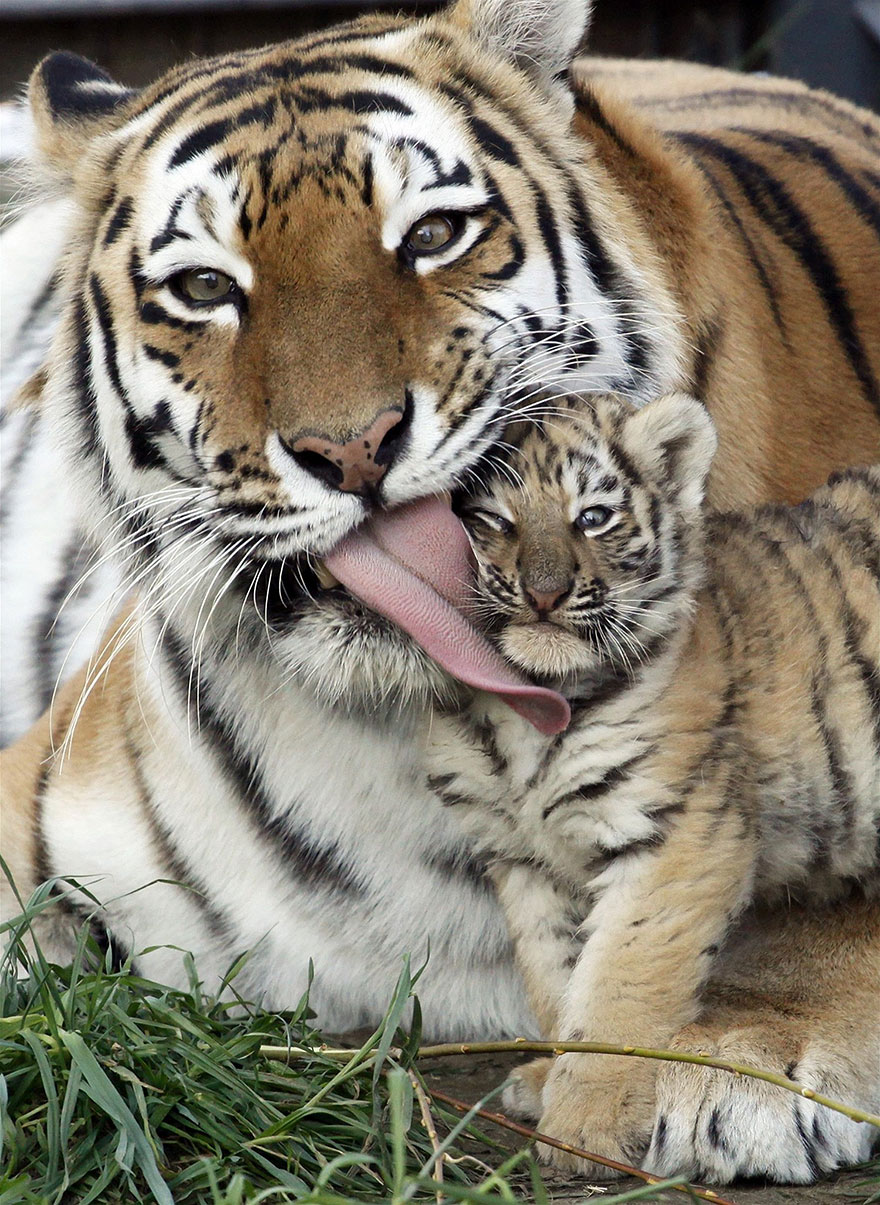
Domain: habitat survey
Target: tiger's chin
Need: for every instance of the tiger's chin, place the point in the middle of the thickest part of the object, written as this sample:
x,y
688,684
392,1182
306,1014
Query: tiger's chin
x,y
548,651
356,661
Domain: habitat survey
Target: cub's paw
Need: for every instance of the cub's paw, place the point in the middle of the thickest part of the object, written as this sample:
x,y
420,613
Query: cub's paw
x,y
599,1104
524,1091
715,1126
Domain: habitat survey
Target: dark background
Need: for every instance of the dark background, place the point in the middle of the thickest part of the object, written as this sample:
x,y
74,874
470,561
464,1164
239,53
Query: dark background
x,y
829,43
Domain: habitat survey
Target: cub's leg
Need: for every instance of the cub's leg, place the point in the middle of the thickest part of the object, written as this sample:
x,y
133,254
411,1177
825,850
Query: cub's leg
x,y
655,934
799,994
544,922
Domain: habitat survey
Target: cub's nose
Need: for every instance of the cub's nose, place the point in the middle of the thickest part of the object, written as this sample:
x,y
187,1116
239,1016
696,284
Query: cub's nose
x,y
545,601
359,462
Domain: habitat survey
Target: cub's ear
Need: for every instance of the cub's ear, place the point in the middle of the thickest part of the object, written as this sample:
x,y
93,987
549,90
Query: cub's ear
x,y
72,101
541,36
673,441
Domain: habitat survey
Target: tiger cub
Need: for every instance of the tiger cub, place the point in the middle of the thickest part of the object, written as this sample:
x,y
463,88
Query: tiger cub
x,y
723,676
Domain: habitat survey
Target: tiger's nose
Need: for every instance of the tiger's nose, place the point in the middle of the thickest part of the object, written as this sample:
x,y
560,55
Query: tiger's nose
x,y
359,462
545,601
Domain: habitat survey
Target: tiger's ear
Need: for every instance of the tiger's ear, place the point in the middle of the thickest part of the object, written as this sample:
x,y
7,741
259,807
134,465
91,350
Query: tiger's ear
x,y
72,101
541,36
673,441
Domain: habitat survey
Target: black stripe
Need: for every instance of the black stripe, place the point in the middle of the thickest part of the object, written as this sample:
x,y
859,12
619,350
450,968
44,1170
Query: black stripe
x,y
610,779
361,101
587,104
866,206
776,207
753,537
83,380
156,315
714,1134
215,132
492,142
867,670
311,864
218,921
798,101
119,221
169,358
42,301
708,338
108,335
202,140
461,865
870,481
170,230
367,183
807,1143
549,232
751,250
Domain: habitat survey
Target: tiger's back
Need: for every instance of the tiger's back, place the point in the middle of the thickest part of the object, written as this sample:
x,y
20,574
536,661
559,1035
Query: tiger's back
x,y
781,264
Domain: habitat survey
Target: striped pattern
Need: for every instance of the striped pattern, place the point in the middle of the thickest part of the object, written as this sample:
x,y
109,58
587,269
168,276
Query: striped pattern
x,y
250,744
725,746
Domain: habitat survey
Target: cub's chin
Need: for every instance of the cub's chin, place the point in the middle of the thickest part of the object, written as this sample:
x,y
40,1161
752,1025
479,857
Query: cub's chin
x,y
545,650
356,661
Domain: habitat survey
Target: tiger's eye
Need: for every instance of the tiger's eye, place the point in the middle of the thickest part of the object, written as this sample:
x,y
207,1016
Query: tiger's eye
x,y
488,518
593,518
431,233
204,284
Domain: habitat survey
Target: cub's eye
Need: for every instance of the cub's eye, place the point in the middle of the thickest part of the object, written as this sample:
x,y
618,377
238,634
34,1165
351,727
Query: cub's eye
x,y
489,519
432,233
203,286
593,518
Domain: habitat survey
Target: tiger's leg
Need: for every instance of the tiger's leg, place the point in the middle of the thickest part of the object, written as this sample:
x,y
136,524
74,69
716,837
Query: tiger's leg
x,y
798,994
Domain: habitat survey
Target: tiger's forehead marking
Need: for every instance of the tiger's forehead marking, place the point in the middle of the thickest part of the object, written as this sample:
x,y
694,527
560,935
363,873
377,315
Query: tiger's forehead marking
x,y
560,466
410,140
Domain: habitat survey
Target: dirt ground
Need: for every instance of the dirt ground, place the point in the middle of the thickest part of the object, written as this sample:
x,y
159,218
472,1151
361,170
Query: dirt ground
x,y
471,1077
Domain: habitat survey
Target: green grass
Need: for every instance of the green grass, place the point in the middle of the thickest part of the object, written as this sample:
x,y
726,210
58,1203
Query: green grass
x,y
117,1089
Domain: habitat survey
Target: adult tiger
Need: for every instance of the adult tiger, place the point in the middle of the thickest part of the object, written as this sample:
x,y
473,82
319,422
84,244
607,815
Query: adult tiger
x,y
305,284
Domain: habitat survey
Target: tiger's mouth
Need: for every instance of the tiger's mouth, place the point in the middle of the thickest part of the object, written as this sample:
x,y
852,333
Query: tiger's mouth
x,y
411,568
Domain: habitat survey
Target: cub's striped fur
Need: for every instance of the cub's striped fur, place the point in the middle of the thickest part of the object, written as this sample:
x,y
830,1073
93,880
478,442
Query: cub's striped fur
x,y
395,233
724,752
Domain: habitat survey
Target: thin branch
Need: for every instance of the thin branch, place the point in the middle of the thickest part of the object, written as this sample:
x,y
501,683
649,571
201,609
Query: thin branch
x,y
642,1052
520,1044
499,1119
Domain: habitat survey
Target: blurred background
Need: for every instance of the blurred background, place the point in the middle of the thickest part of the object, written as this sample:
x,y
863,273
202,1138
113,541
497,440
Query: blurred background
x,y
830,43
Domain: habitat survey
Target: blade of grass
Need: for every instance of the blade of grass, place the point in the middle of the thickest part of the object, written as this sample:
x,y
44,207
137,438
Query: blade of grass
x,y
99,1086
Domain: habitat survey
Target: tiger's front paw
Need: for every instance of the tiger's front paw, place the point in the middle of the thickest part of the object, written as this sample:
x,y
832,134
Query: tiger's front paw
x,y
600,1104
716,1127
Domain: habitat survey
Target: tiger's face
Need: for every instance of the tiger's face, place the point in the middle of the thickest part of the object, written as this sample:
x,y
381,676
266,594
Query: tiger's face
x,y
313,282
587,535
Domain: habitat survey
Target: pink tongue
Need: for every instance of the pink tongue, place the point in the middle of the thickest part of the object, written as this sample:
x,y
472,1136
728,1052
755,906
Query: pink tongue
x,y
412,565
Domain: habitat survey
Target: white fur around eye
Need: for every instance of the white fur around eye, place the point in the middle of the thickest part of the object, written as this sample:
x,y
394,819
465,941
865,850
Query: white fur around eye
x,y
599,529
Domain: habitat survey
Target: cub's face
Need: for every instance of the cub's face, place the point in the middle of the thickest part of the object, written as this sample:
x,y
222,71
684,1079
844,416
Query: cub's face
x,y
314,281
586,535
